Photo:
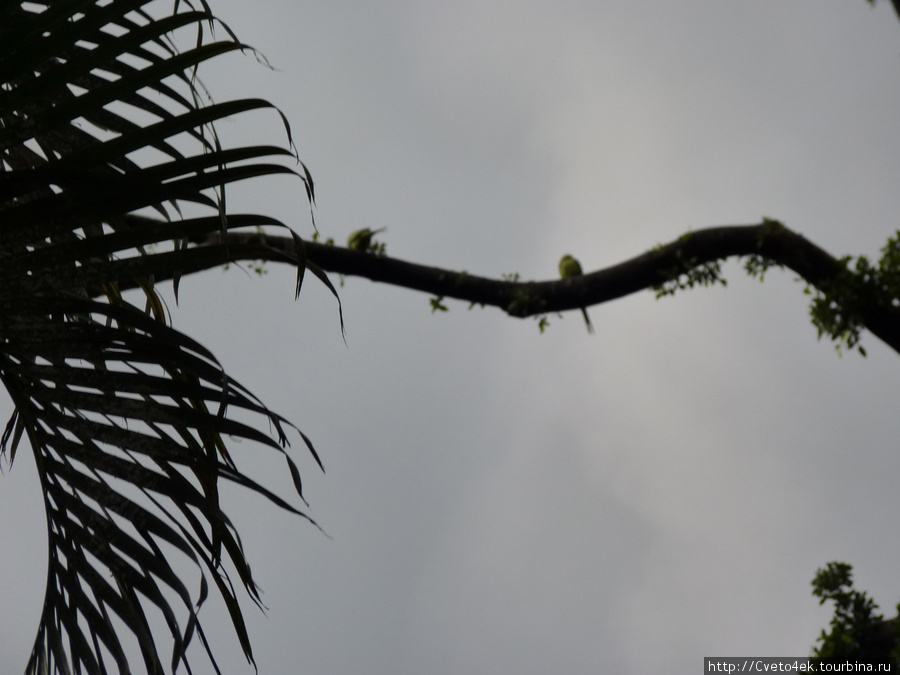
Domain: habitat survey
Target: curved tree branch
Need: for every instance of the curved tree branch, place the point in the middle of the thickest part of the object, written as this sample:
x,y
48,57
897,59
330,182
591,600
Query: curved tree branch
x,y
769,241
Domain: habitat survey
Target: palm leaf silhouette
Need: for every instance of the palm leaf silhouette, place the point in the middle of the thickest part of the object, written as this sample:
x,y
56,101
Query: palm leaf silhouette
x,y
105,146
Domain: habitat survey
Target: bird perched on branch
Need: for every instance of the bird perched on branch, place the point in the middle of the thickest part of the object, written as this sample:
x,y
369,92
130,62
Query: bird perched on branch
x,y
361,240
569,267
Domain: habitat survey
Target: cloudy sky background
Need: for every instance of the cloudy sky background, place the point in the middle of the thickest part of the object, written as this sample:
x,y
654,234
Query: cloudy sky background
x,y
501,501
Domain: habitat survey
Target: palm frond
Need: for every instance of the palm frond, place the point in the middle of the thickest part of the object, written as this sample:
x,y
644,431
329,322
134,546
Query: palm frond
x,y
124,414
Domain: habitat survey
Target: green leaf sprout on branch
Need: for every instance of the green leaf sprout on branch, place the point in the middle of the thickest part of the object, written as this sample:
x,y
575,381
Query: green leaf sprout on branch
x,y
689,274
837,308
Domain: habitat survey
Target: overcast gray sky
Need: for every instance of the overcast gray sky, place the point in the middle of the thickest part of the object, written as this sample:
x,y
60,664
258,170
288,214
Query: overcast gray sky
x,y
501,501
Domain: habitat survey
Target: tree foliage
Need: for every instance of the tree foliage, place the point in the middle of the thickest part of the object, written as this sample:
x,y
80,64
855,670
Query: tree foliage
x,y
858,633
110,164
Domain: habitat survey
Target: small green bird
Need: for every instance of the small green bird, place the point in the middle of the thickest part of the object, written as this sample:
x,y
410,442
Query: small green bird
x,y
569,267
361,240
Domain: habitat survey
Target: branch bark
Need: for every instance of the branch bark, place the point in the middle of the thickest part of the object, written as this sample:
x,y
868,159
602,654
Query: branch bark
x,y
770,240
